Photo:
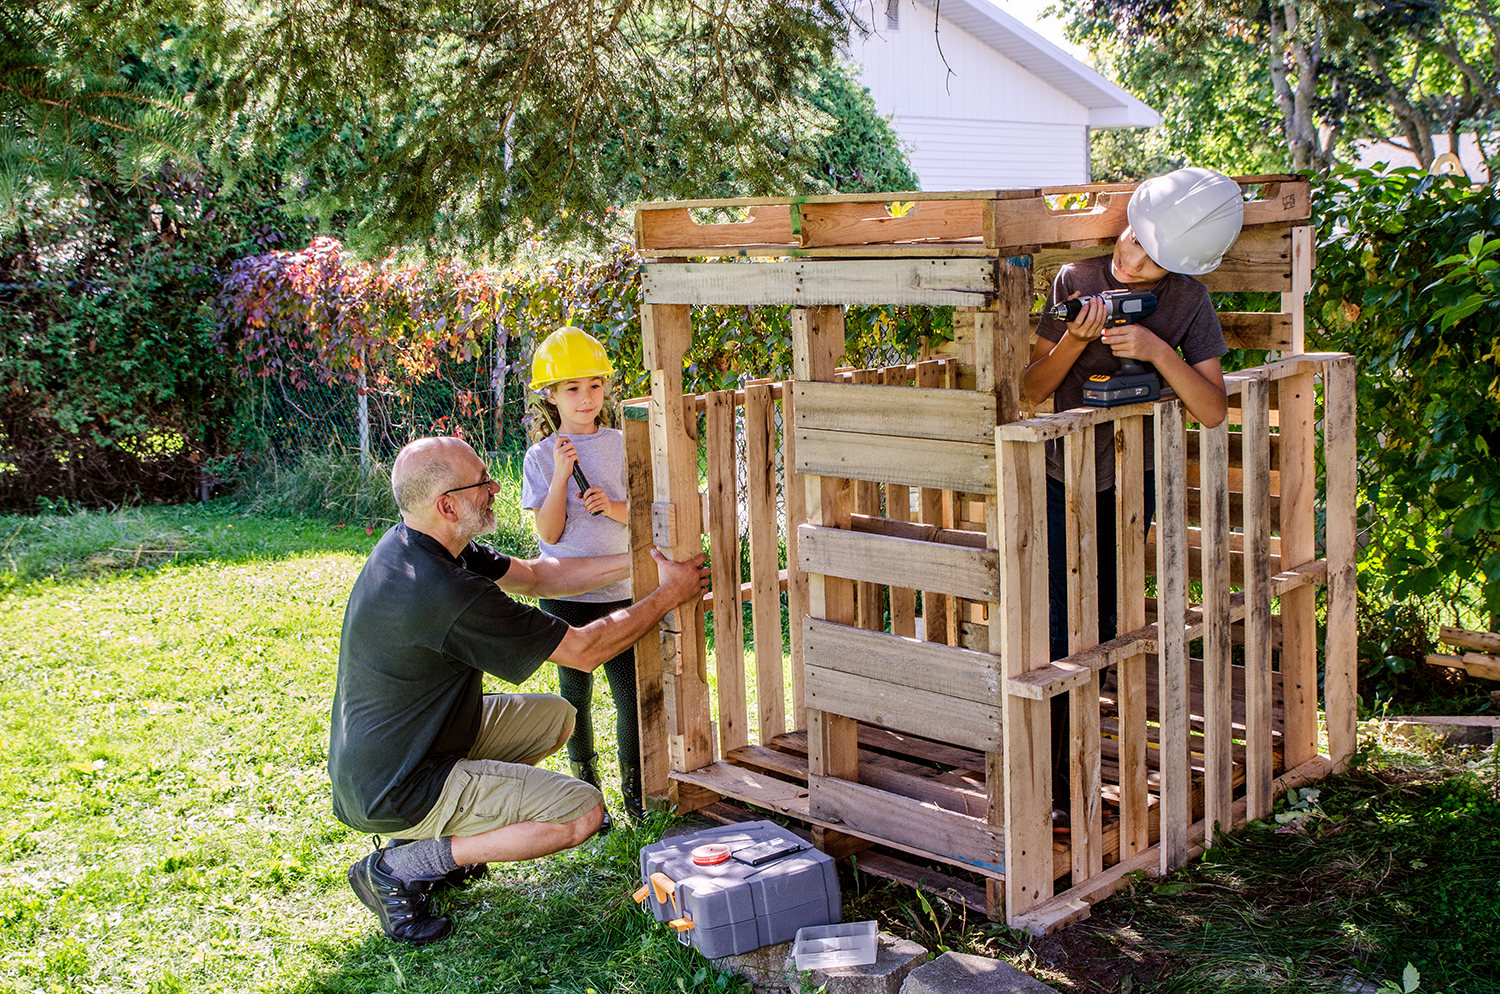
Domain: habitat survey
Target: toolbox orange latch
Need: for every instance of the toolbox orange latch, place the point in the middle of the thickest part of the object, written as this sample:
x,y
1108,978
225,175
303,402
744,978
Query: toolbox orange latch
x,y
640,895
681,924
665,888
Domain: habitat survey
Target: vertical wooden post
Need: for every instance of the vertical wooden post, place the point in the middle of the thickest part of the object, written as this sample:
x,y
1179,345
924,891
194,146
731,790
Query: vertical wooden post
x,y
1022,645
1255,433
869,598
832,740
794,492
1299,632
898,507
765,596
650,689
1082,546
724,548
1130,578
1171,631
666,334
930,509
1218,716
1292,301
1340,664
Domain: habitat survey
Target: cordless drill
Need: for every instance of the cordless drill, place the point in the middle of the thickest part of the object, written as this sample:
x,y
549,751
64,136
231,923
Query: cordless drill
x,y
1131,383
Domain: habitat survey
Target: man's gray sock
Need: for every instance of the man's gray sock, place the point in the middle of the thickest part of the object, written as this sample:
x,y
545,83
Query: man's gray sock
x,y
425,859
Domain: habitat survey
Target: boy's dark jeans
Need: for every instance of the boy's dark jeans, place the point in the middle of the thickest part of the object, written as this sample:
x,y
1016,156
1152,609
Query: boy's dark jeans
x,y
1057,595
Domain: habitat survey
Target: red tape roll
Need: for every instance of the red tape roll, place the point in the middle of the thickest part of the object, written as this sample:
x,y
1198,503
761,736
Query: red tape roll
x,y
710,854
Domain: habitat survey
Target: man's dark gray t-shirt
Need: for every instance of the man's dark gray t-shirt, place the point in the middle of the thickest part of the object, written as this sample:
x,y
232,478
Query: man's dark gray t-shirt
x,y
1184,319
421,630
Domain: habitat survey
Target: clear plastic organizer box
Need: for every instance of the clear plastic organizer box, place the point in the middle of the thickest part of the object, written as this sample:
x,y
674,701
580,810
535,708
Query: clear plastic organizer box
x,y
822,947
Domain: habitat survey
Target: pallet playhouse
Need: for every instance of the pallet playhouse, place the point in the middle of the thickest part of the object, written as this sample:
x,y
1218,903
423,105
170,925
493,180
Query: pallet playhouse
x,y
927,481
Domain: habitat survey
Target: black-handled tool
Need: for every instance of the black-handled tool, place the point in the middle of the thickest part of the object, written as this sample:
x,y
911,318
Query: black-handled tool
x,y
578,477
1133,383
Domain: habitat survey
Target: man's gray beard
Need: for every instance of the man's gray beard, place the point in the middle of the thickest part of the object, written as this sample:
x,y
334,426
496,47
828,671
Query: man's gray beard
x,y
475,521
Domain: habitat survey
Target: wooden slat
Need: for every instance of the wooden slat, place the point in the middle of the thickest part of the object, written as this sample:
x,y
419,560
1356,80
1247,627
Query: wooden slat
x,y
1030,222
1261,261
901,412
1299,632
1130,560
866,223
869,598
919,282
1082,549
1171,623
1481,665
1464,639
902,708
1256,330
936,608
1218,786
945,670
724,547
765,600
1255,399
650,692
966,466
911,824
1236,448
666,334
675,228
1340,649
916,531
1023,635
746,785
898,507
950,569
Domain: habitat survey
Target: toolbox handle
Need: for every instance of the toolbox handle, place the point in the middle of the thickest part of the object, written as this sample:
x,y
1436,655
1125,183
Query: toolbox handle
x,y
665,887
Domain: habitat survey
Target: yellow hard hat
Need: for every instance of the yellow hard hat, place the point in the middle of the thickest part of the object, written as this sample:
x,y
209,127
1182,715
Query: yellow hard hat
x,y
568,354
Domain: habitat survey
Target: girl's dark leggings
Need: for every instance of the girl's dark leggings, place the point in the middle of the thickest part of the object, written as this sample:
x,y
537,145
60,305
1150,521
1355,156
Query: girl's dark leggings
x,y
578,688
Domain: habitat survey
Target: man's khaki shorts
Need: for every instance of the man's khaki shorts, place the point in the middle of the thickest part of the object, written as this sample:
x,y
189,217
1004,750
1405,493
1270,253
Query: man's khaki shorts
x,y
492,788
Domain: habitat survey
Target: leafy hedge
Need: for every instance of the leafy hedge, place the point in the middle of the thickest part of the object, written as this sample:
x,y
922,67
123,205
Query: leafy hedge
x,y
1407,279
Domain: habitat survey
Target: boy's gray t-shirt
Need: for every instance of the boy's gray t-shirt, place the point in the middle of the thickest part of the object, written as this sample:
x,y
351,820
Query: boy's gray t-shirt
x,y
602,456
1184,319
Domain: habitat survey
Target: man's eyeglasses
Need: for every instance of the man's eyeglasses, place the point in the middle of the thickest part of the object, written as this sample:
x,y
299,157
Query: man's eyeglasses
x,y
486,482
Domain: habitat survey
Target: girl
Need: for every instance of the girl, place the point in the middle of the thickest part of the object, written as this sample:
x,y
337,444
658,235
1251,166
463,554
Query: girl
x,y
572,520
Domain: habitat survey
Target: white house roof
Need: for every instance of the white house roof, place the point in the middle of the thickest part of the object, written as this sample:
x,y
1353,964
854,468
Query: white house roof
x,y
1109,106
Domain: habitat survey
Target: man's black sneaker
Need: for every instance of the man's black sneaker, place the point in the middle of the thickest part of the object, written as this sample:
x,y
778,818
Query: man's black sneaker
x,y
400,907
457,878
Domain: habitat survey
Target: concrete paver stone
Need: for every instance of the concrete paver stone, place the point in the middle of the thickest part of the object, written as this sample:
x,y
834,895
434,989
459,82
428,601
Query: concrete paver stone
x,y
959,973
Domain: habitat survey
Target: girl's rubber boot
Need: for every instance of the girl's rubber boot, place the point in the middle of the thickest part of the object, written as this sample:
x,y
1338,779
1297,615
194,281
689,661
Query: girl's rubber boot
x,y
630,786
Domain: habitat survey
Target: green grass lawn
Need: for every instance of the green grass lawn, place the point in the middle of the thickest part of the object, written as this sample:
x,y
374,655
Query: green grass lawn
x,y
165,678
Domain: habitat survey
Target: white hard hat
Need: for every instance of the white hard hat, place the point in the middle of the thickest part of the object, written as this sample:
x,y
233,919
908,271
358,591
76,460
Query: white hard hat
x,y
1187,219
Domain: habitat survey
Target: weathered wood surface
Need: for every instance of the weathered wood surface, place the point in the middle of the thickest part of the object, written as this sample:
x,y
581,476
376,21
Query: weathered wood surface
x,y
919,282
1476,664
851,555
1340,649
902,412
724,549
912,462
1462,638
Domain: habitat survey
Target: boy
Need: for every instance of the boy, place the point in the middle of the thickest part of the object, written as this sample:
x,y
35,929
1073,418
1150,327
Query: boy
x,y
1180,226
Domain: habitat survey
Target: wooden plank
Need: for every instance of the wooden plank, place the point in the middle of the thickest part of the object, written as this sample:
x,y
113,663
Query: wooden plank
x,y
1027,754
1483,666
1299,631
869,597
914,747
1082,548
898,508
1256,525
1464,639
807,283
724,780
1256,330
666,334
1130,572
850,555
1340,649
1236,448
897,706
765,599
724,548
911,824
1260,260
867,223
1013,224
913,462
901,412
1171,622
1218,785
675,228
650,694
919,532
944,670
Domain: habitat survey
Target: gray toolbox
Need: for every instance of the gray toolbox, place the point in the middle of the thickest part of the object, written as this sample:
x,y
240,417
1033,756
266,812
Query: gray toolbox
x,y
736,888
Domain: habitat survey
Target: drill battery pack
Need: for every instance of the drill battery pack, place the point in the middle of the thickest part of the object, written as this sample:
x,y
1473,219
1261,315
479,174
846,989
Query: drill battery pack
x,y
1130,385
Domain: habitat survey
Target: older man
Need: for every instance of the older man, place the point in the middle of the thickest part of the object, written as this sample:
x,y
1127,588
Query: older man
x,y
416,749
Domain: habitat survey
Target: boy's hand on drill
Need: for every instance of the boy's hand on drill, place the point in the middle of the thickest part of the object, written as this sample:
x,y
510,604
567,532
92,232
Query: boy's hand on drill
x,y
1132,341
564,457
1090,320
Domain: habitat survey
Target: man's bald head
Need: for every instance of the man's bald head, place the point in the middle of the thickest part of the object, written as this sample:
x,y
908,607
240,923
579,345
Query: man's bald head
x,y
427,467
